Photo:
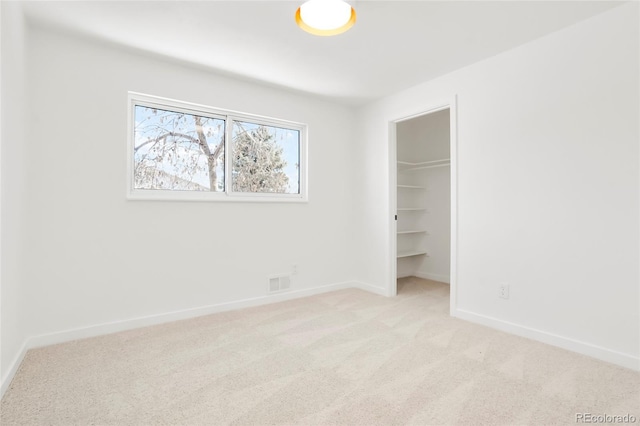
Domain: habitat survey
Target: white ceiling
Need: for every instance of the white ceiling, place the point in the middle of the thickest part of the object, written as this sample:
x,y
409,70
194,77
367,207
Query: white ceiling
x,y
394,44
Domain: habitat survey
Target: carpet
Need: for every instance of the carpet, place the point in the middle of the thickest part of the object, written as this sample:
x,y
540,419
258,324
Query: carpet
x,y
347,357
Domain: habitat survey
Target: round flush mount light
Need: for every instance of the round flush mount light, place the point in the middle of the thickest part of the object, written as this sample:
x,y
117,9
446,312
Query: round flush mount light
x,y
325,17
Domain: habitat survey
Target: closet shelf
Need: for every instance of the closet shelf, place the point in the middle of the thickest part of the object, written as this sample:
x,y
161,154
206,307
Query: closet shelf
x,y
409,209
409,167
411,253
414,231
412,187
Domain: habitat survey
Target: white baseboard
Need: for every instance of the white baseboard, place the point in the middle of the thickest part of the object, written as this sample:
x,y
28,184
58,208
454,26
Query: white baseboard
x,y
129,324
13,369
598,352
434,277
117,326
428,276
370,288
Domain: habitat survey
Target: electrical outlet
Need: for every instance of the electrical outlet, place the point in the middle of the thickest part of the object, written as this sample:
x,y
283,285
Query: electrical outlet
x,y
294,269
503,291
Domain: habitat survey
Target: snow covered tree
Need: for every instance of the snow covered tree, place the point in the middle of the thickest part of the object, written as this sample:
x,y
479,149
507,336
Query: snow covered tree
x,y
178,151
258,165
181,151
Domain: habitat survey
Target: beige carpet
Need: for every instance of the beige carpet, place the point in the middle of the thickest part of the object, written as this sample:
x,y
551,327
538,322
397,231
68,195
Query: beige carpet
x,y
347,357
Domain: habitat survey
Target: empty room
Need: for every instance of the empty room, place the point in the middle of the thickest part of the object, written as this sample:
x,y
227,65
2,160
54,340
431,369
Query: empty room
x,y
319,212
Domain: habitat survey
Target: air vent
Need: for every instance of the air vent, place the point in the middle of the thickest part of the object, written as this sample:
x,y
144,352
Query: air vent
x,y
279,283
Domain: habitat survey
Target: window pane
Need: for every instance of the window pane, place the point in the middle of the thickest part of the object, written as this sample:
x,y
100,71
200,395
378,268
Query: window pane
x,y
266,159
178,151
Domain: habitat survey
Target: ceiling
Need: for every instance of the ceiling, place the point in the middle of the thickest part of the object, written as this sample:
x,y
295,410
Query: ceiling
x,y
394,44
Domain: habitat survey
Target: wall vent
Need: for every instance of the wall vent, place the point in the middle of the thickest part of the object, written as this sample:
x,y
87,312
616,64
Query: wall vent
x,y
279,283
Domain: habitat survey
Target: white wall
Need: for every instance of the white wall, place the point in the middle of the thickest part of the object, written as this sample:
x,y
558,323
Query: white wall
x,y
437,265
12,189
98,258
547,186
424,138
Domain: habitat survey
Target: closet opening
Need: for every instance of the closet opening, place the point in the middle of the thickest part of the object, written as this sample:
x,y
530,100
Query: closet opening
x,y
423,199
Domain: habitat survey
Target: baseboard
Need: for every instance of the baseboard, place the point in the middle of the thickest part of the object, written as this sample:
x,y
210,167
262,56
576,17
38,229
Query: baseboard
x,y
13,368
433,277
370,288
598,352
117,326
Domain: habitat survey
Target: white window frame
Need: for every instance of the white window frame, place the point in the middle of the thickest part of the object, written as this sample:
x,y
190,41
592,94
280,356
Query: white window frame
x,y
229,116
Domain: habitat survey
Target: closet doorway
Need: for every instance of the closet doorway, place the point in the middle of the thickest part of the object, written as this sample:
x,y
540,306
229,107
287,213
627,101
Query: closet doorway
x,y
423,194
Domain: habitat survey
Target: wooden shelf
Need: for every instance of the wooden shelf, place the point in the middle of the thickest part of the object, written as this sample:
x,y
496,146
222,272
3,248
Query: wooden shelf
x,y
411,253
417,231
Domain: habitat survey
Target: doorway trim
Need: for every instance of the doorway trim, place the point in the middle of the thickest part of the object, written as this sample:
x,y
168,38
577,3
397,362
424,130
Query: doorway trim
x,y
430,108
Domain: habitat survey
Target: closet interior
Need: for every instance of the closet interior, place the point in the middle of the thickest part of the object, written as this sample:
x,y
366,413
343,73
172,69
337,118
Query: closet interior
x,y
424,196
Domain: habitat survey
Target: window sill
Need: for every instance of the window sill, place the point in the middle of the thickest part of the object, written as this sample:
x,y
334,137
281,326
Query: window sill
x,y
157,195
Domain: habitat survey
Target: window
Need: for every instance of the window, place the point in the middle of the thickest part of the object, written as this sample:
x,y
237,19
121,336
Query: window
x,y
183,151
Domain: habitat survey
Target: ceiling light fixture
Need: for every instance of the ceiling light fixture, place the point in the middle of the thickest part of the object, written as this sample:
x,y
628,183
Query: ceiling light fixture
x,y
325,17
